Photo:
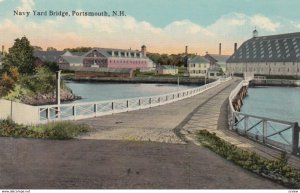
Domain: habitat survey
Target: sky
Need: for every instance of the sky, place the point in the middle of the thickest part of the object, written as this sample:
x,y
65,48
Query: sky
x,y
164,26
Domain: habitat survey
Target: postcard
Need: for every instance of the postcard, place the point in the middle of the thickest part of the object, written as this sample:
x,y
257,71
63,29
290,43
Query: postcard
x,y
169,94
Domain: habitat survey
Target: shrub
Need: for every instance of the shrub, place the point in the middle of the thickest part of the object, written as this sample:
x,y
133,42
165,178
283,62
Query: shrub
x,y
273,169
62,130
43,82
59,130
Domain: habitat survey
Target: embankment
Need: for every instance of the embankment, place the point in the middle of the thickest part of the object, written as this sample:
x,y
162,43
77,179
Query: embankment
x,y
150,79
237,102
274,82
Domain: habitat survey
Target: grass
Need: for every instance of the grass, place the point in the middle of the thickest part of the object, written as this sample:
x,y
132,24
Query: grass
x,y
277,170
59,130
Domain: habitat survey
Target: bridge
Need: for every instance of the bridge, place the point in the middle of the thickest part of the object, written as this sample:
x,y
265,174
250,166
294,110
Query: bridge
x,y
125,151
152,147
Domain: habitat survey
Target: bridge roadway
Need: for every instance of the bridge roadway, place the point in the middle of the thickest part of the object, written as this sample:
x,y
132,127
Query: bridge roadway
x,y
158,123
126,151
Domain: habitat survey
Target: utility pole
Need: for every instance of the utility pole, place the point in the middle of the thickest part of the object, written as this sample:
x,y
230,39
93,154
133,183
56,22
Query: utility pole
x,y
58,87
177,82
58,93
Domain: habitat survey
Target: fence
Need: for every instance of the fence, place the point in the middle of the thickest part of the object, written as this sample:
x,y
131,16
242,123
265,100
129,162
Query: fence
x,y
276,133
75,111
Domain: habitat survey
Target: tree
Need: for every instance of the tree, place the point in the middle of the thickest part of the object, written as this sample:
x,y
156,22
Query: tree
x,y
8,80
21,56
78,49
37,48
51,49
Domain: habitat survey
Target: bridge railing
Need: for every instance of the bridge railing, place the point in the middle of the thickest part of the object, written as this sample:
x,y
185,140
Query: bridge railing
x,y
276,133
75,111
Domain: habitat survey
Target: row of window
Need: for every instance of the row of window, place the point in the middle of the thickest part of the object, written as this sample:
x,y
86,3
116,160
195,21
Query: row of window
x,y
266,69
197,71
272,63
128,61
197,65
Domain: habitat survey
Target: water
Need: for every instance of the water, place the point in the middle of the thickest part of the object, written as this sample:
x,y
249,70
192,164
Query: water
x,y
109,91
280,103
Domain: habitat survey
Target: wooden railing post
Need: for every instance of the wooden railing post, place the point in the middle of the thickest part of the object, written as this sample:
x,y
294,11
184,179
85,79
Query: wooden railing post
x,y
265,122
48,114
295,139
74,112
246,124
95,109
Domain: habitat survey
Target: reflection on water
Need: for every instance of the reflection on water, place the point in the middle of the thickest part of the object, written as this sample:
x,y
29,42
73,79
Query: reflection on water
x,y
108,91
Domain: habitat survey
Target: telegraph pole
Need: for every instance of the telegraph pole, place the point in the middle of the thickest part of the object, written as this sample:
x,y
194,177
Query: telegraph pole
x,y
177,82
58,93
58,87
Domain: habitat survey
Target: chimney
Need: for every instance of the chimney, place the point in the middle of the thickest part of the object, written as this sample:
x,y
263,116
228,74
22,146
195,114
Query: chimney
x,y
186,50
2,50
220,48
235,47
186,56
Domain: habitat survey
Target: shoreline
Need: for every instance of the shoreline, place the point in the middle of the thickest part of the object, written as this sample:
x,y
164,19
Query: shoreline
x,y
274,82
146,80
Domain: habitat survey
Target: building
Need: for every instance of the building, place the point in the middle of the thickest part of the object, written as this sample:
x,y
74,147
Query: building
x,y
197,66
70,60
217,60
41,57
267,55
214,71
108,58
166,69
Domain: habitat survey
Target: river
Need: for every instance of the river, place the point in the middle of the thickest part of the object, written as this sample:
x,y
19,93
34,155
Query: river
x,y
90,91
281,103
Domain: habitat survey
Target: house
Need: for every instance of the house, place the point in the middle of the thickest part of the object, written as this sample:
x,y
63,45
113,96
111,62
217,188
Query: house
x,y
166,69
197,66
217,60
267,55
46,56
69,60
108,58
214,71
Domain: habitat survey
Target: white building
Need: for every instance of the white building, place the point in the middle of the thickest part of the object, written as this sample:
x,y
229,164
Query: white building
x,y
197,66
267,55
166,69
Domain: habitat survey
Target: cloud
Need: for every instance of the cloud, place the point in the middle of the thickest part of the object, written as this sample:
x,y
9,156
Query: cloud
x,y
128,32
26,5
265,23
